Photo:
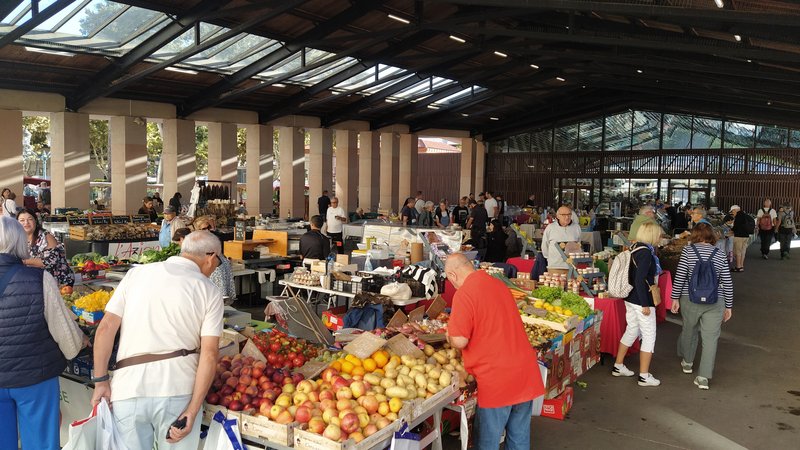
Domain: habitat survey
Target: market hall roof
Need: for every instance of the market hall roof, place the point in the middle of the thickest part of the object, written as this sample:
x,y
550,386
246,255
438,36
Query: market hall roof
x,y
493,67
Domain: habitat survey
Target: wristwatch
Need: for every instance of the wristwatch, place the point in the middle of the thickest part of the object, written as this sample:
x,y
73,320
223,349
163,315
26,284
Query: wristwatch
x,y
105,377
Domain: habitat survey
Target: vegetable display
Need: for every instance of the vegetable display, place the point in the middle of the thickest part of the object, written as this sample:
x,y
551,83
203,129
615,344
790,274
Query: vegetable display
x,y
574,303
151,255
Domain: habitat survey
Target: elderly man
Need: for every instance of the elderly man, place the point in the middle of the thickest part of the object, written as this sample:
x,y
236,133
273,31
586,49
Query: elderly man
x,y
169,225
565,229
485,318
170,319
335,220
646,214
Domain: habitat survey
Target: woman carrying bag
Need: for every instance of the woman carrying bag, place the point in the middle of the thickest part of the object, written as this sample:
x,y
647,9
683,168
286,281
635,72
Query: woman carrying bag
x,y
703,293
640,305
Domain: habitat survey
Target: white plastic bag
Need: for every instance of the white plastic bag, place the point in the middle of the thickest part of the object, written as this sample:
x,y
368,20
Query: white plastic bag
x,y
96,432
223,434
83,433
403,439
108,438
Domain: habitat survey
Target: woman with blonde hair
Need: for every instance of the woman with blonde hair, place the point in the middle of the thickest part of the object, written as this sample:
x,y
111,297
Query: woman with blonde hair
x,y
640,308
223,274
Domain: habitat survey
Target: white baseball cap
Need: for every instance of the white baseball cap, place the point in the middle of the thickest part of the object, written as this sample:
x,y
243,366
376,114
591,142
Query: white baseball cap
x,y
735,207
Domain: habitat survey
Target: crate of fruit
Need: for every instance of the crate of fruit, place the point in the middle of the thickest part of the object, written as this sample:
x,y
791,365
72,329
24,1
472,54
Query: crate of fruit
x,y
424,407
261,427
567,324
331,436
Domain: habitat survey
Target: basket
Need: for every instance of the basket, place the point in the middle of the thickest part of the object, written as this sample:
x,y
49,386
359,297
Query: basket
x,y
352,287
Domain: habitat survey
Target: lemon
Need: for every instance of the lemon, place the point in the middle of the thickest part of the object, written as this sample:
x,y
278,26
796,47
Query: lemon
x,y
549,307
568,312
538,304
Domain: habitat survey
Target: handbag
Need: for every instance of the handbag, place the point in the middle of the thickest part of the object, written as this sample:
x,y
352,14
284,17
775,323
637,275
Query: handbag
x,y
655,291
396,291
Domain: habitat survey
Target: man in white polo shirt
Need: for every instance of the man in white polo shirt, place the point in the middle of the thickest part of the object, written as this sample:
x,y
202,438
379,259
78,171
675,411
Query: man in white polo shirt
x,y
336,218
491,205
170,319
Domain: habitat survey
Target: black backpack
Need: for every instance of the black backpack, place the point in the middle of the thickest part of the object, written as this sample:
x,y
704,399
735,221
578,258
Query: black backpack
x,y
749,223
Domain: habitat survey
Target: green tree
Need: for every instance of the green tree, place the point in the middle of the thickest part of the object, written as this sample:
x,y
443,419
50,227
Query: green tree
x,y
201,152
36,144
155,145
99,146
241,145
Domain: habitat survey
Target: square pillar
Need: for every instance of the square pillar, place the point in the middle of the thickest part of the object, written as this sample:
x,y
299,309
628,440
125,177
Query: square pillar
x,y
292,171
320,166
260,169
128,164
480,164
178,164
368,170
407,183
222,153
347,169
467,173
11,173
69,159
389,173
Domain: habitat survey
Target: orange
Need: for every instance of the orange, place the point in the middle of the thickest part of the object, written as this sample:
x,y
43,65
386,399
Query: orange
x,y
370,365
380,359
354,359
379,372
347,367
358,371
336,365
396,358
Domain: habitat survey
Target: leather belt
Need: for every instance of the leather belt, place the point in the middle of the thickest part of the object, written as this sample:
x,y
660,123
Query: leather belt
x,y
148,358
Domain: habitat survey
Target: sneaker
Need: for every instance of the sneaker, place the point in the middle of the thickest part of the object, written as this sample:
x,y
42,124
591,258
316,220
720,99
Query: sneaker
x,y
687,367
765,256
648,380
621,371
701,382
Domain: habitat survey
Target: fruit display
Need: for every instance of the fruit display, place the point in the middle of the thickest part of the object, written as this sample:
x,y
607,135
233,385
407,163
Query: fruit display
x,y
574,303
282,350
113,232
328,356
96,301
539,335
152,255
546,293
245,384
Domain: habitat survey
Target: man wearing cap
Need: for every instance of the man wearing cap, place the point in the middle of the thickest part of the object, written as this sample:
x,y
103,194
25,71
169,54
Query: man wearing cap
x,y
169,225
741,237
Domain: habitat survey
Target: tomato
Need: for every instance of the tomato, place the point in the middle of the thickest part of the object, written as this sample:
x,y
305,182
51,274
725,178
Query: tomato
x,y
292,355
275,346
272,359
298,361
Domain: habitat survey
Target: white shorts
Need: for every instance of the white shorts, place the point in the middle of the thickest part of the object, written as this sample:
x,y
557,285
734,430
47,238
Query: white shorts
x,y
640,325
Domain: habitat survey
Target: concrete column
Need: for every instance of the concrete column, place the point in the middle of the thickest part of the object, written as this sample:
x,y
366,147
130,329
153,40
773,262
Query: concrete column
x,y
69,140
292,171
178,164
260,169
368,170
320,166
347,169
11,152
407,184
222,153
389,173
480,165
467,184
128,164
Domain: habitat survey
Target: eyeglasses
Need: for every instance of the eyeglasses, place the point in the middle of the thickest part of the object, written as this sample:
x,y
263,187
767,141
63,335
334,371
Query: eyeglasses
x,y
219,259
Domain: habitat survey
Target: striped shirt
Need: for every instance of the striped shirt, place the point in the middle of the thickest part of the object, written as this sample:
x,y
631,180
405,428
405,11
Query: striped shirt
x,y
680,285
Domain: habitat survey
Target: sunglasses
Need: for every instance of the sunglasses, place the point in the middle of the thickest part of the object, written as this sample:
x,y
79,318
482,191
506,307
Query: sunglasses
x,y
219,259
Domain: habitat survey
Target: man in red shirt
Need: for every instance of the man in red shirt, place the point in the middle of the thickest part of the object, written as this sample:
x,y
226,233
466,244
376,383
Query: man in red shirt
x,y
486,326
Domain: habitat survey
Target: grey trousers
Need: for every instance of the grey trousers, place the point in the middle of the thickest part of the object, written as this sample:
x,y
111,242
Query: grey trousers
x,y
700,321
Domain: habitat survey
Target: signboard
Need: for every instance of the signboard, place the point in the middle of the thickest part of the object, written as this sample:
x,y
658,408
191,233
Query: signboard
x,y
75,402
141,218
125,250
239,231
101,220
119,220
54,219
78,220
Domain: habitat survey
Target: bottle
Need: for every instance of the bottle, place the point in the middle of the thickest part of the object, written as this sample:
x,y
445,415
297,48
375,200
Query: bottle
x,y
329,265
368,263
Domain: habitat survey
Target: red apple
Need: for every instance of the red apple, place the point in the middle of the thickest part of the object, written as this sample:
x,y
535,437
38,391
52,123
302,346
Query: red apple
x,y
333,433
340,382
236,405
226,401
325,395
370,403
226,390
284,418
358,388
382,423
232,381
251,391
328,414
299,398
269,395
344,393
305,386
275,411
303,414
246,370
316,425
370,429
328,374
246,399
245,379
212,398
343,404
288,380
288,388
217,384
236,370
257,372
357,436
264,408
283,400
241,388
314,396
363,420
327,404
225,375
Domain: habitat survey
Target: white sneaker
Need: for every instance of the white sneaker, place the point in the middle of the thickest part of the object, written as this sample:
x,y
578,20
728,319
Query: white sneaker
x,y
687,367
648,380
701,382
621,371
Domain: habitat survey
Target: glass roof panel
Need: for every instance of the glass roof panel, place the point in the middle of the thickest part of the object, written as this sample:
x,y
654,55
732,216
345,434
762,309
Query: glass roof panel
x,y
51,23
423,85
458,95
89,19
185,41
12,18
373,89
289,64
320,73
130,24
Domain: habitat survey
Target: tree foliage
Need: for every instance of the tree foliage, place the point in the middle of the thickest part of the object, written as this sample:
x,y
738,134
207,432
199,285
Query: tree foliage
x,y
35,144
201,152
99,145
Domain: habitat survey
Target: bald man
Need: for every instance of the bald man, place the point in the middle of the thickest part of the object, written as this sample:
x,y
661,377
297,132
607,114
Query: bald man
x,y
564,229
485,318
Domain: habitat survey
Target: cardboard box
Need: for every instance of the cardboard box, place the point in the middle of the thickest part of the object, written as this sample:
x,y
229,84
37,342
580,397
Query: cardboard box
x,y
81,366
333,319
557,408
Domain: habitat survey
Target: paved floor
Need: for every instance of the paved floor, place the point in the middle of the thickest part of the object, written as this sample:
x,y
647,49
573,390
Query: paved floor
x,y
754,400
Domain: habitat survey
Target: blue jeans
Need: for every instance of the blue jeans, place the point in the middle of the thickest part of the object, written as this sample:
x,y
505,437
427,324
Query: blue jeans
x,y
145,420
38,406
514,419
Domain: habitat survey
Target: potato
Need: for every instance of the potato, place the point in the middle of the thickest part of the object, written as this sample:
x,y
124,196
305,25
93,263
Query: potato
x,y
391,365
400,381
422,392
451,353
378,390
412,393
449,367
408,360
421,380
391,373
396,391
435,373
372,379
381,397
428,367
414,372
445,379
429,350
440,357
433,388
404,370
386,383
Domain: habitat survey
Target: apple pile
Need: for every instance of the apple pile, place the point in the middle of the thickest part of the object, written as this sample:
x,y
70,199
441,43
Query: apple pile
x,y
282,350
245,384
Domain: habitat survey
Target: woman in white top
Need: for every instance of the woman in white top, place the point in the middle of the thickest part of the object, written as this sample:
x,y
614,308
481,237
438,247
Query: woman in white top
x,y
9,203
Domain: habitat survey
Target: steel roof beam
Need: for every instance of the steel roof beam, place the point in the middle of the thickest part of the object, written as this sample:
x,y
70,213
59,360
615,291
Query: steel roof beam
x,y
7,7
35,20
213,94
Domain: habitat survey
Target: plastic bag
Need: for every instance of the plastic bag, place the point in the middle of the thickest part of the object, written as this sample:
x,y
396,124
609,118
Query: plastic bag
x,y
108,437
96,431
403,439
83,433
223,434
275,308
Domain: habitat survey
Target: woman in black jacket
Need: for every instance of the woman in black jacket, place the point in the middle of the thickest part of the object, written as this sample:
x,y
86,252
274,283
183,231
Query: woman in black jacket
x,y
496,242
639,306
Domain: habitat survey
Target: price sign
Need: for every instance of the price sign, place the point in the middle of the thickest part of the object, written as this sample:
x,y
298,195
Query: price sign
x,y
239,231
101,220
141,218
119,220
78,220
54,219
125,250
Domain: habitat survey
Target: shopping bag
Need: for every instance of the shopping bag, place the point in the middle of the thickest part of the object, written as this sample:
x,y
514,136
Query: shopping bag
x,y
108,437
83,433
223,434
404,439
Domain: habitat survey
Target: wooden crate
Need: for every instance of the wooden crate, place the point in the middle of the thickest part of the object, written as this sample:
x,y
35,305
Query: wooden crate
x,y
78,232
423,407
305,440
210,410
570,322
263,428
